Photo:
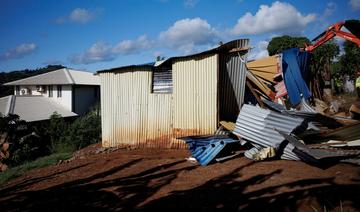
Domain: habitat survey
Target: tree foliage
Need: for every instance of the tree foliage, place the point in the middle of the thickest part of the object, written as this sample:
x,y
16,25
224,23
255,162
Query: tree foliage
x,y
350,61
32,140
279,44
25,145
323,58
67,137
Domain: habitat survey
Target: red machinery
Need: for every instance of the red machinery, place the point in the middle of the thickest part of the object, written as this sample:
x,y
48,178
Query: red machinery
x,y
335,30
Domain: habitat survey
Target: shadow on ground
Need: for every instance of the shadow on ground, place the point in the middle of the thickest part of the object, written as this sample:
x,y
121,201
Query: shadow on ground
x,y
228,192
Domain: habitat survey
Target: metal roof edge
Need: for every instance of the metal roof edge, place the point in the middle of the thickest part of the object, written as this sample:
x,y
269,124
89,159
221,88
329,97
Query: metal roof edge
x,y
122,68
227,46
68,76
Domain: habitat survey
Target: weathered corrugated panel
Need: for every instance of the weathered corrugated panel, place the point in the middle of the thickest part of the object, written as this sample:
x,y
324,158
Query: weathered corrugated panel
x,y
232,79
259,126
131,114
194,96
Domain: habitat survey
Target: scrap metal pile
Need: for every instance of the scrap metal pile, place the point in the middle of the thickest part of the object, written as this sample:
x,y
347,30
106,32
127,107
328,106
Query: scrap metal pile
x,y
278,121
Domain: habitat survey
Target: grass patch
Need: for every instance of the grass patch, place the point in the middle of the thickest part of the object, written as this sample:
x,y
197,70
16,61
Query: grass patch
x,y
17,171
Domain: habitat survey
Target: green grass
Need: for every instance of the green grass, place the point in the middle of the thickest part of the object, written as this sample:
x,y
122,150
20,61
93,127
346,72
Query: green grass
x,y
17,171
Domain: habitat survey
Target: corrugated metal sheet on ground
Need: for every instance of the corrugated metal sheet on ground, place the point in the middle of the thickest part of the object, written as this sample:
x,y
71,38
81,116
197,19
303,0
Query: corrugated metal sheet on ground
x,y
308,155
347,133
258,126
206,148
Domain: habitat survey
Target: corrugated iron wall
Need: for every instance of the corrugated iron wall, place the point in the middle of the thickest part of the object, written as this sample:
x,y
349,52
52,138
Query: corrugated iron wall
x,y
232,79
194,96
131,114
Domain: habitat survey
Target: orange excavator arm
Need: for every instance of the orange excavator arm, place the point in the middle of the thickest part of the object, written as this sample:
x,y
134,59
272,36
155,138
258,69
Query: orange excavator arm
x,y
335,30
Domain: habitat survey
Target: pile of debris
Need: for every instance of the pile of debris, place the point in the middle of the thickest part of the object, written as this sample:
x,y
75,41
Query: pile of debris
x,y
265,129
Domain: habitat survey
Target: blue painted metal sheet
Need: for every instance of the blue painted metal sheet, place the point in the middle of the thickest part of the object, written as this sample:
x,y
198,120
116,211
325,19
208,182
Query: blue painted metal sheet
x,y
295,67
206,148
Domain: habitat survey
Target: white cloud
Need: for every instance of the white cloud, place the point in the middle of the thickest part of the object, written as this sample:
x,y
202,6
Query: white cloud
x,y
186,34
133,46
260,51
79,15
330,9
280,17
355,4
101,51
19,51
98,52
190,3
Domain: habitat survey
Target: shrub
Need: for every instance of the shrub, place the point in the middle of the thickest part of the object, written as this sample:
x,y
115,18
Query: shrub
x,y
84,131
24,144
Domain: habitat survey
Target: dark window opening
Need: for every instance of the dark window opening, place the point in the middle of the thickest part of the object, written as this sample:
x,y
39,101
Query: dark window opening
x,y
50,91
96,92
17,90
59,91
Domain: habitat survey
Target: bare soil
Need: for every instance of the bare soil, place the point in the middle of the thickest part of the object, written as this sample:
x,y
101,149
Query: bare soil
x,y
149,179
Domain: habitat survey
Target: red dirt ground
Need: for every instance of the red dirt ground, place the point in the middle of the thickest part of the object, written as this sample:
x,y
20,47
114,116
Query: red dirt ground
x,y
162,179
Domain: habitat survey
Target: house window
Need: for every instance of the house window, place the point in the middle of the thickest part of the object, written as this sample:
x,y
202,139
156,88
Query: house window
x,y
17,90
50,91
59,91
162,81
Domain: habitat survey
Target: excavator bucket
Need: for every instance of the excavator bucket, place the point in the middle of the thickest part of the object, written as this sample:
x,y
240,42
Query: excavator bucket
x,y
353,26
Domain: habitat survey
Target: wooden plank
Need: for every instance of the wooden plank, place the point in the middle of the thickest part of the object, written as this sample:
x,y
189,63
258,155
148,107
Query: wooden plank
x,y
245,48
248,84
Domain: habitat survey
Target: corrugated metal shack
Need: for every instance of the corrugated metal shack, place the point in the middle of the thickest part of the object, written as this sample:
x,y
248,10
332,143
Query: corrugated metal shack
x,y
152,105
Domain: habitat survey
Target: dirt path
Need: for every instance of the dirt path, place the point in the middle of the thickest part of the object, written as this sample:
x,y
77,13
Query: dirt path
x,y
163,179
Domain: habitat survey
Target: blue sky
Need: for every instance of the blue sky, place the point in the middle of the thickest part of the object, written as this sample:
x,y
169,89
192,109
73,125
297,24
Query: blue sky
x,y
96,35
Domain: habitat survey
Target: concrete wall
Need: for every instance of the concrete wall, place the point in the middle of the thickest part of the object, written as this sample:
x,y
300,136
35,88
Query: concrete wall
x,y
66,94
65,100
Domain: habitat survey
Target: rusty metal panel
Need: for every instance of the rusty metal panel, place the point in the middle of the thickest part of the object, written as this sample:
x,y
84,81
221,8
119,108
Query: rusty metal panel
x,y
232,78
131,114
194,96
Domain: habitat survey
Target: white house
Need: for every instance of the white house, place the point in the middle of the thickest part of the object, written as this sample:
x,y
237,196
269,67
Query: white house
x,y
68,92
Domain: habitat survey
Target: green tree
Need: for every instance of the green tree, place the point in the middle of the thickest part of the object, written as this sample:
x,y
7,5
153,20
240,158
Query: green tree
x,y
323,59
279,44
350,61
84,131
55,131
